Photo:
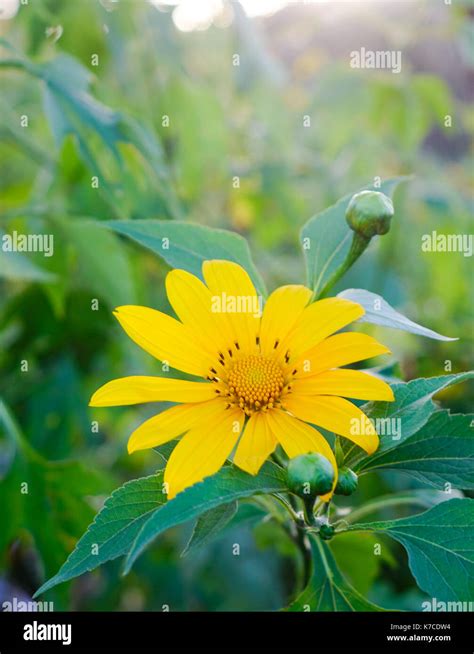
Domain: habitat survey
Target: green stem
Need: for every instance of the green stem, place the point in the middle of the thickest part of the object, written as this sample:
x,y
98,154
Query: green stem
x,y
358,245
376,505
301,540
308,508
287,506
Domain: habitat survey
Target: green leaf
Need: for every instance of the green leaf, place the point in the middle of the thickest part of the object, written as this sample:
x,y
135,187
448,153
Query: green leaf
x,y
441,452
102,261
440,547
114,528
225,486
379,312
186,245
100,134
327,589
329,237
398,420
209,524
47,499
68,102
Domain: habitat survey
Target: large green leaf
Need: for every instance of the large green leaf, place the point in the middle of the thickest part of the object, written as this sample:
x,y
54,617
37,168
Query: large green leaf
x,y
327,589
440,546
326,237
227,485
46,499
186,245
379,312
441,452
114,528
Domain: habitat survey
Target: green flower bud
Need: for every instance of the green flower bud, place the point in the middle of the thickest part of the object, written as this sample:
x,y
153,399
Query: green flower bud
x,y
310,475
346,482
326,531
369,213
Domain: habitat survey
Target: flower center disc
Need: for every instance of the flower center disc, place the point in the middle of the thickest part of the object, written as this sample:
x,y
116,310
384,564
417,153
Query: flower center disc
x,y
255,382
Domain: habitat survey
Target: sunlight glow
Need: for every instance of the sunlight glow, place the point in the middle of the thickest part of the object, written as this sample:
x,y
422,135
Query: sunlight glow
x,y
8,9
189,15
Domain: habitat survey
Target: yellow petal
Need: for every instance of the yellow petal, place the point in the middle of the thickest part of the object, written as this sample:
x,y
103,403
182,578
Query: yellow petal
x,y
338,350
232,289
170,424
256,444
335,414
318,321
345,383
204,449
193,304
164,338
282,309
297,438
134,390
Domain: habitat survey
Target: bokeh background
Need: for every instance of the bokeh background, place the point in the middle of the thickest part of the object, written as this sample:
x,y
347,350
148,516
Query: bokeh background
x,y
146,98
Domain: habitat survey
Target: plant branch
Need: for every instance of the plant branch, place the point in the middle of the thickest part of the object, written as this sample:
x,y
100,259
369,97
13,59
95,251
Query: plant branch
x,y
380,503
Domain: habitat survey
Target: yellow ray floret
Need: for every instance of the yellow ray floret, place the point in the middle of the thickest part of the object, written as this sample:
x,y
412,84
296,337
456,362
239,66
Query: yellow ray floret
x,y
136,390
345,383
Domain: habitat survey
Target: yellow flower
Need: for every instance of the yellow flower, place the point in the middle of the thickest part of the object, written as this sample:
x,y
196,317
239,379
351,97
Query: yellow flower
x,y
268,374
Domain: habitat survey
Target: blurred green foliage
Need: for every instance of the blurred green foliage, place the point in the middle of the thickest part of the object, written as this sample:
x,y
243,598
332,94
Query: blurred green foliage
x,y
166,127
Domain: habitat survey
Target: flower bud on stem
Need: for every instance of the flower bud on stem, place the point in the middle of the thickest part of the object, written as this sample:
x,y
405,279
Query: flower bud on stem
x,y
368,213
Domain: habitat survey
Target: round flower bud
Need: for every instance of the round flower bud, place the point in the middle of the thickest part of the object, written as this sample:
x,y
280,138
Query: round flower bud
x,y
346,482
326,531
369,213
310,475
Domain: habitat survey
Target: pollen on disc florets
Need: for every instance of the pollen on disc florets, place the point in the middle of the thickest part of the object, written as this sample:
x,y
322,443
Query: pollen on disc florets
x,y
255,383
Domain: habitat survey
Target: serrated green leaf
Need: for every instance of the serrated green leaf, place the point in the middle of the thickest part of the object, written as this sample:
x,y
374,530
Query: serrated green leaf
x,y
440,546
225,486
441,452
187,245
379,312
330,237
114,528
209,524
327,589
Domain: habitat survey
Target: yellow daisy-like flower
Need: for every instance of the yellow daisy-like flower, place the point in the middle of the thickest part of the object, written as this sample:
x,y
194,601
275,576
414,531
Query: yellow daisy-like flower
x,y
268,374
